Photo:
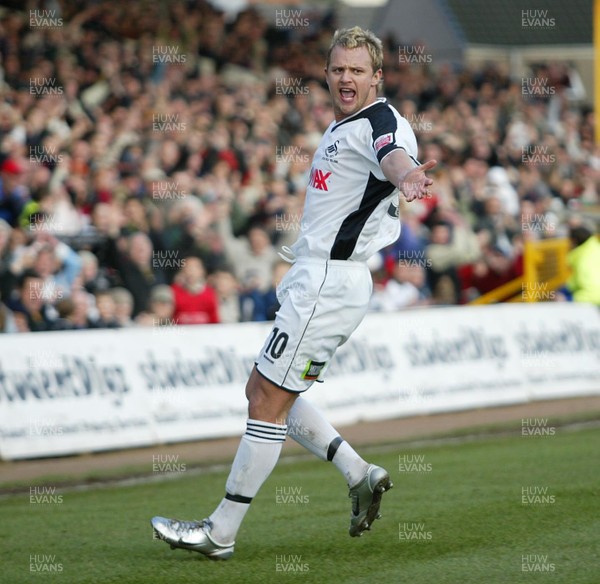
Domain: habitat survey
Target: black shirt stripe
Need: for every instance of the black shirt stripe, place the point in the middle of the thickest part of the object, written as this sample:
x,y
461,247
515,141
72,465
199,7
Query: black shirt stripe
x,y
347,236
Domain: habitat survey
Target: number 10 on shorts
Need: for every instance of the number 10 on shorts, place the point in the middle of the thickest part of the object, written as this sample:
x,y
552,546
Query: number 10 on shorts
x,y
277,343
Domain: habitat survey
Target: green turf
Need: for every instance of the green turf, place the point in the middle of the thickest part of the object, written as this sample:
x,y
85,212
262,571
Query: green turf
x,y
469,505
103,475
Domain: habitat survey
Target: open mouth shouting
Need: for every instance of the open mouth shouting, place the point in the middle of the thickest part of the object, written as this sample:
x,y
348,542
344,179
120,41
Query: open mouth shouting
x,y
347,95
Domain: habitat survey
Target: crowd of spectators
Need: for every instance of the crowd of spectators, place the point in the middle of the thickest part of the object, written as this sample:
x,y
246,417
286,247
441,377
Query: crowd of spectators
x,y
154,158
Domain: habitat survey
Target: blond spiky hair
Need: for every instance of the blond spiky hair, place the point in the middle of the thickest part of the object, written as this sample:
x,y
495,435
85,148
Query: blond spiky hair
x,y
353,38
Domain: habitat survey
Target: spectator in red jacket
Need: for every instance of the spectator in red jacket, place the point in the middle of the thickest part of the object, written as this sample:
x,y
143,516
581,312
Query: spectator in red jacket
x,y
195,302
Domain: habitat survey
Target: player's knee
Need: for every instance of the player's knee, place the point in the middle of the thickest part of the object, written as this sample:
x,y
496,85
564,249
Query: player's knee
x,y
266,401
253,385
260,406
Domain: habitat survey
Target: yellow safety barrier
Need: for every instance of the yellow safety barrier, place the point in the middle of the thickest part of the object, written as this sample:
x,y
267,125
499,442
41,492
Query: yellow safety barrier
x,y
545,269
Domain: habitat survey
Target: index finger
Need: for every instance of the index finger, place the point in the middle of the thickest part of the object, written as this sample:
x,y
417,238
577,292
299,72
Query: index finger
x,y
428,165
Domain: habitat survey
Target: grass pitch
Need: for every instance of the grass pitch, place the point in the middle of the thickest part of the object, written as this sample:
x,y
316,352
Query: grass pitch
x,y
500,510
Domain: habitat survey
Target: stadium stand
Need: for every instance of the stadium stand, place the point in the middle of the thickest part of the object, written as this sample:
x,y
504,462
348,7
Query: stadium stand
x,y
134,136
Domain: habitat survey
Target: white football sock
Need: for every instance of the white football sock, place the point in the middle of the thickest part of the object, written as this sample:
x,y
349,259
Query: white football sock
x,y
350,464
307,426
256,457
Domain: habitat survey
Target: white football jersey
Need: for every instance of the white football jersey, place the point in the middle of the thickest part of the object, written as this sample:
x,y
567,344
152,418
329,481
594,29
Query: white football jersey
x,y
351,209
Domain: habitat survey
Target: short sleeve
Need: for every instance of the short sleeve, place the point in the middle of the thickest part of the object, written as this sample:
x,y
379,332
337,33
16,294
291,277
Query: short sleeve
x,y
390,132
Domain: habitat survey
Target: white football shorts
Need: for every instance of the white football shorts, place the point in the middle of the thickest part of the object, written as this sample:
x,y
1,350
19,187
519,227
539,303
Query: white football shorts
x,y
322,303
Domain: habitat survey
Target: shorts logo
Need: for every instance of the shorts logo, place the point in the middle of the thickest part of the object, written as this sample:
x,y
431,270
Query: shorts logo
x,y
312,370
318,179
394,210
383,141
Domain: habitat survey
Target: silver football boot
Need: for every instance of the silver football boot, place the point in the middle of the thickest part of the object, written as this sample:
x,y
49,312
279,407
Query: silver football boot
x,y
191,535
366,499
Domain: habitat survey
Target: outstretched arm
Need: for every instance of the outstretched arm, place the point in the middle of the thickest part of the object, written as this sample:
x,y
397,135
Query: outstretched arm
x,y
401,171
